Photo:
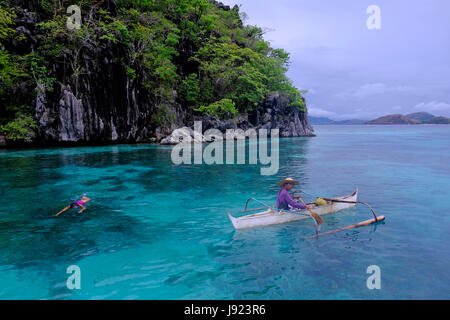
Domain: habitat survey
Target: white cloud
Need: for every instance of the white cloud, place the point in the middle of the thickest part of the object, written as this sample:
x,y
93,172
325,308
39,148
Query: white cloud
x,y
432,106
317,112
371,89
359,113
311,91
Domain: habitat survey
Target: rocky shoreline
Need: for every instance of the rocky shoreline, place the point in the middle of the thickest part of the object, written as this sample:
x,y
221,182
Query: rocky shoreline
x,y
274,113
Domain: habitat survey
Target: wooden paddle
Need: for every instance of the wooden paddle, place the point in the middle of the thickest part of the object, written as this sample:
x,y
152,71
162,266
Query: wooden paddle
x,y
316,217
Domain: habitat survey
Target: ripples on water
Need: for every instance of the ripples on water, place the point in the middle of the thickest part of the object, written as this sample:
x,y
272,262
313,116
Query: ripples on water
x,y
158,231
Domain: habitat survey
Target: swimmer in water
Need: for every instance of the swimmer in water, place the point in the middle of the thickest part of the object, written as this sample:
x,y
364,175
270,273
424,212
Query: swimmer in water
x,y
76,204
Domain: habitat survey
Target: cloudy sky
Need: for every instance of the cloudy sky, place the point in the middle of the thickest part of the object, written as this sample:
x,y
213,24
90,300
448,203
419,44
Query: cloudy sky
x,y
352,72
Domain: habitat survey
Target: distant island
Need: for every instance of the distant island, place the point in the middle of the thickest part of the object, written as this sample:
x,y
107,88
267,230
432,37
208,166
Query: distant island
x,y
413,118
322,120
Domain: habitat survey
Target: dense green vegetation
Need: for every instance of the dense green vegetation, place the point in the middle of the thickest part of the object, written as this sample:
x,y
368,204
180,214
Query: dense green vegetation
x,y
186,51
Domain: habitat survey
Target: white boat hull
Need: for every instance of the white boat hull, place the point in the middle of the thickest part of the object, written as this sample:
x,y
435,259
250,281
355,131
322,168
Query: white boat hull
x,y
274,216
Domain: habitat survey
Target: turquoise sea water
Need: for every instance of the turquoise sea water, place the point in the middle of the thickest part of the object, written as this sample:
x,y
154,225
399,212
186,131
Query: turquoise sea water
x,y
158,231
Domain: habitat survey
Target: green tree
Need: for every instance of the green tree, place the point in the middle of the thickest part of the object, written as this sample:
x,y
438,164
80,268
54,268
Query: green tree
x,y
223,109
21,128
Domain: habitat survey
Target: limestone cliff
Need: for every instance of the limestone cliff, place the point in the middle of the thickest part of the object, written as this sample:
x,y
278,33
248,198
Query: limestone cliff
x,y
105,102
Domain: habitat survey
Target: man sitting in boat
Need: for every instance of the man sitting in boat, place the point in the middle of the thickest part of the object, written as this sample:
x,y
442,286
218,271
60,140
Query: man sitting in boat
x,y
285,201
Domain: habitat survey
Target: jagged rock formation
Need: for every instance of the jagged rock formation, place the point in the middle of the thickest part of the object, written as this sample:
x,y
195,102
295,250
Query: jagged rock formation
x,y
274,113
2,141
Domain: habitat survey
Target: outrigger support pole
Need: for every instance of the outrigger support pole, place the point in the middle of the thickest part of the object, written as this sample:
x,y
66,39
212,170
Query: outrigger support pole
x,y
347,201
246,204
352,226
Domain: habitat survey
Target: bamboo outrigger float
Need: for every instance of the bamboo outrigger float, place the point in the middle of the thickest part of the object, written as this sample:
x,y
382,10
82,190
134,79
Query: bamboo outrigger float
x,y
273,216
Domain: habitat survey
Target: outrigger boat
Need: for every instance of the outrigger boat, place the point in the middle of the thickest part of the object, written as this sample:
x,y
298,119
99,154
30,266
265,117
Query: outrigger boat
x,y
273,216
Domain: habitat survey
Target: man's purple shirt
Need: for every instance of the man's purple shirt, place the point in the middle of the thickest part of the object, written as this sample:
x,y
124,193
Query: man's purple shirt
x,y
285,200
